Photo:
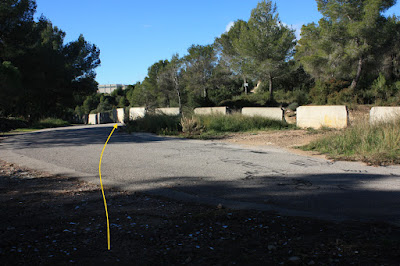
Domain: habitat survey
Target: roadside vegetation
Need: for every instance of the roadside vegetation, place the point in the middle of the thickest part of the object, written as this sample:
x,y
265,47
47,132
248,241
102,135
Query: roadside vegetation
x,y
21,125
243,67
376,144
203,126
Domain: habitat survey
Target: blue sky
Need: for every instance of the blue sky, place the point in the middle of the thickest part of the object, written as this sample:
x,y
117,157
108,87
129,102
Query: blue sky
x,y
132,34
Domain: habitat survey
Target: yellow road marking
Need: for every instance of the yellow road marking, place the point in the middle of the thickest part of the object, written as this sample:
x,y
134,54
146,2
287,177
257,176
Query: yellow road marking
x,y
102,189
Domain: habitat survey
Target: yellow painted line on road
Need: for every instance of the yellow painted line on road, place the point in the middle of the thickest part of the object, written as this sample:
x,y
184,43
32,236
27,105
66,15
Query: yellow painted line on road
x,y
102,189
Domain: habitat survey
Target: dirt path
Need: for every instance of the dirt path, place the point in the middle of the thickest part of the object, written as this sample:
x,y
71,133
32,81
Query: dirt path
x,y
56,220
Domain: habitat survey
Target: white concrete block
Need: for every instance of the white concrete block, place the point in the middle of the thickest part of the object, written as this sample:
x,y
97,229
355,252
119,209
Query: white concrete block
x,y
136,112
120,115
275,113
168,111
92,119
384,114
332,116
211,110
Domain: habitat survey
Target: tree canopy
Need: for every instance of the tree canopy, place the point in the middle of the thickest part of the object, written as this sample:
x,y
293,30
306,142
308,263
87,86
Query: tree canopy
x,y
40,75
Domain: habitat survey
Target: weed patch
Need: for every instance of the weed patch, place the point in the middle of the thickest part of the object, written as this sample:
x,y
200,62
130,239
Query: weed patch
x,y
377,144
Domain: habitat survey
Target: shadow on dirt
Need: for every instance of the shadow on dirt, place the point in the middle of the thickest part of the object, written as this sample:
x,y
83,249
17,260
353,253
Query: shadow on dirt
x,y
58,220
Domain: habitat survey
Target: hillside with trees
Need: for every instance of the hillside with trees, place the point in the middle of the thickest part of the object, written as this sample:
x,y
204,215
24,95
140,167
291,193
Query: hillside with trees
x,y
351,56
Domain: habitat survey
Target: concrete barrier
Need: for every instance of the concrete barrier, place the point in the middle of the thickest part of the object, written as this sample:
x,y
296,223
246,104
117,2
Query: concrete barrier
x,y
167,111
275,113
384,114
120,116
136,112
92,119
211,110
332,116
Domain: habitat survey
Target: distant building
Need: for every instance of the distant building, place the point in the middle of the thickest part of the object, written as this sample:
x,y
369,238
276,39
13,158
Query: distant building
x,y
108,88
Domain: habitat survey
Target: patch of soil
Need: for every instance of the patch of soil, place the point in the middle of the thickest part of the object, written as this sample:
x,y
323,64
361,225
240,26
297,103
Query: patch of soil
x,y
57,220
281,138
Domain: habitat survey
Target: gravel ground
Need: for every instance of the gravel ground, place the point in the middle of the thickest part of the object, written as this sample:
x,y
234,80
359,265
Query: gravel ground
x,y
57,220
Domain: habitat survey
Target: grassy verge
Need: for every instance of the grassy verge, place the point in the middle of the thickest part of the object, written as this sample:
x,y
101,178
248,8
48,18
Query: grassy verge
x,y
158,124
9,126
204,126
50,123
377,144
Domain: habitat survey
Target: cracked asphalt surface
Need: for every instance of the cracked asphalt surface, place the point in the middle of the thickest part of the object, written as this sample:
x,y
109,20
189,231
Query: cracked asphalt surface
x,y
212,172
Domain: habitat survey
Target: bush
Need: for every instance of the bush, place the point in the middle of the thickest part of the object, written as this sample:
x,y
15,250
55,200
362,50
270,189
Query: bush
x,y
50,123
158,124
237,122
10,124
249,100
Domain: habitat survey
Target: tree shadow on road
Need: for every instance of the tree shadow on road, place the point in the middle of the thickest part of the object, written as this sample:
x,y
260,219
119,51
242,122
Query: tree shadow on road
x,y
57,220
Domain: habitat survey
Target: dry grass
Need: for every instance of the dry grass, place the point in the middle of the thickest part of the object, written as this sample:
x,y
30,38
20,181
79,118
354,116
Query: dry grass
x,y
377,144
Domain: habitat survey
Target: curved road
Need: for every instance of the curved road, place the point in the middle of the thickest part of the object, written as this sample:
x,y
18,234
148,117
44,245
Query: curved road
x,y
212,172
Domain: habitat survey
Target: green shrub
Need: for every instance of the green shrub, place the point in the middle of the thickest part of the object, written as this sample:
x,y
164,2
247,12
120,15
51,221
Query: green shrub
x,y
7,124
158,124
50,123
237,122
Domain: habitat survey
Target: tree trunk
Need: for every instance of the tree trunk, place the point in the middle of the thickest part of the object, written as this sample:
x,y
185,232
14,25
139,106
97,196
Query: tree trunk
x,y
358,75
271,91
178,92
245,86
205,93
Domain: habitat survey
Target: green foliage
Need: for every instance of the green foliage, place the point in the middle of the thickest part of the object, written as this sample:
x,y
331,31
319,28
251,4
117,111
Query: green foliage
x,y
41,87
158,124
348,43
375,144
248,100
300,97
331,92
11,123
265,45
50,123
237,122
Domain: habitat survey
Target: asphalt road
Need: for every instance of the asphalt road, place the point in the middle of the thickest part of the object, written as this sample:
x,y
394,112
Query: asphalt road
x,y
265,178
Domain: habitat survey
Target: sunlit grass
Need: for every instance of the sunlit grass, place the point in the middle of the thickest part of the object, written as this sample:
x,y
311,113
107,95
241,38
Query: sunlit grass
x,y
377,144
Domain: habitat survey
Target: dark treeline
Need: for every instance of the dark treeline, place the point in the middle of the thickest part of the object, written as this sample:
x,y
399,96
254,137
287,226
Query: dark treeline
x,y
351,56
41,76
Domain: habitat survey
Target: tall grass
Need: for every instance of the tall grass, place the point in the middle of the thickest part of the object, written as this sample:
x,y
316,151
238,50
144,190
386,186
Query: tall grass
x,y
50,123
158,124
202,124
377,144
237,123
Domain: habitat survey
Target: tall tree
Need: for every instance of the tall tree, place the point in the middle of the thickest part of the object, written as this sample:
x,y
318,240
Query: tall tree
x,y
265,45
345,40
199,67
51,75
229,54
169,79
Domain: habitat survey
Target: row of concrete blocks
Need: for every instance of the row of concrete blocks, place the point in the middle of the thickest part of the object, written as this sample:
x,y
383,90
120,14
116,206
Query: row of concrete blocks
x,y
331,116
118,115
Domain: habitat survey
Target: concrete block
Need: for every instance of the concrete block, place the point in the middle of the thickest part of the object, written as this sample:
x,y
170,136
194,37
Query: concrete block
x,y
120,115
275,113
211,110
384,114
104,118
332,116
168,111
136,112
92,119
